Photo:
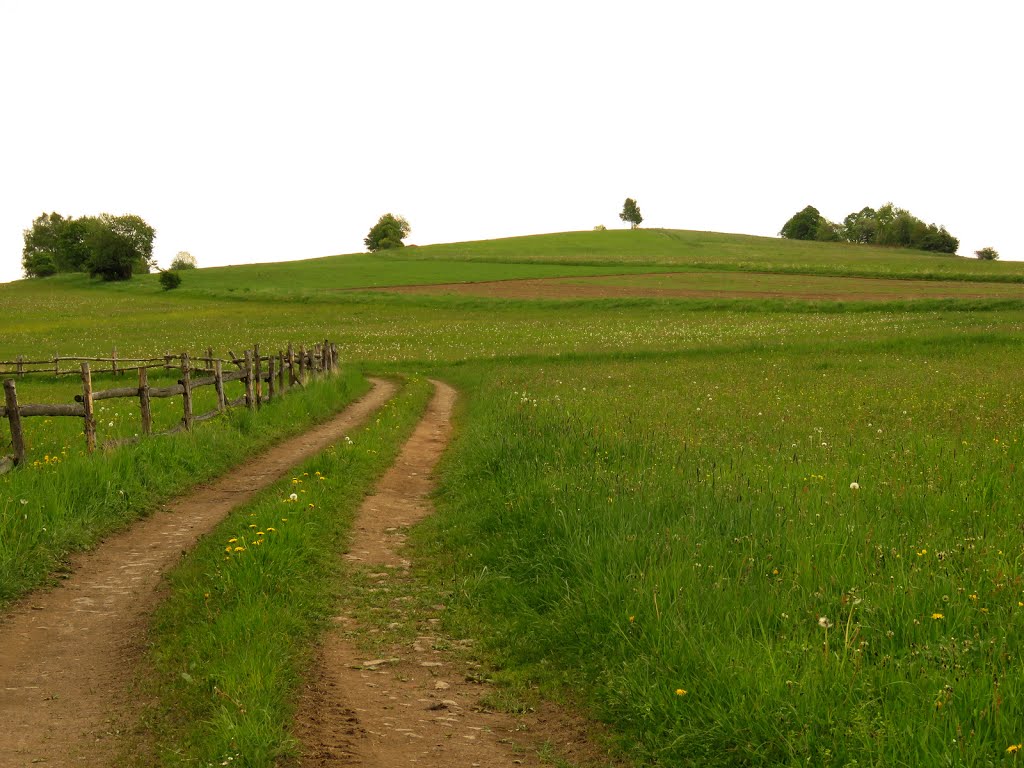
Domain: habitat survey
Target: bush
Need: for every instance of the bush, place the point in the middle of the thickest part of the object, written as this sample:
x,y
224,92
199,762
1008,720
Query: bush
x,y
170,280
987,254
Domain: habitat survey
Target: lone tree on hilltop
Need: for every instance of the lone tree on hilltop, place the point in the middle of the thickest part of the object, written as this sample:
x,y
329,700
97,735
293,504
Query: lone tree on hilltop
x,y
987,254
388,232
631,213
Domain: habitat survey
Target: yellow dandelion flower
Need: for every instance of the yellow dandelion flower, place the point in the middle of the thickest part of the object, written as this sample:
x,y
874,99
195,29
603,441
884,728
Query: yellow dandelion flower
x,y
227,548
681,691
632,619
260,533
938,616
239,549
271,528
232,541
1014,748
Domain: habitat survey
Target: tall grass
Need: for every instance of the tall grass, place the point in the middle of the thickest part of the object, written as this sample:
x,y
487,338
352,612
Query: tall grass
x,y
809,556
66,502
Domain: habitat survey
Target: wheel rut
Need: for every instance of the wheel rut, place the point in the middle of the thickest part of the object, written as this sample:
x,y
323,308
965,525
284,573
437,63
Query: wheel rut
x,y
418,702
68,656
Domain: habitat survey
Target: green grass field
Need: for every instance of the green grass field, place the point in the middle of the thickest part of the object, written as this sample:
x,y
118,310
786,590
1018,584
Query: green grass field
x,y
742,532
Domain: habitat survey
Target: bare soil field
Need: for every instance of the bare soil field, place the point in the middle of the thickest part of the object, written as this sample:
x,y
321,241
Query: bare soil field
x,y
722,285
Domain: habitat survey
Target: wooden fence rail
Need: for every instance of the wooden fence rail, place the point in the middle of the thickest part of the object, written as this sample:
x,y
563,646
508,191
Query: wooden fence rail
x,y
321,359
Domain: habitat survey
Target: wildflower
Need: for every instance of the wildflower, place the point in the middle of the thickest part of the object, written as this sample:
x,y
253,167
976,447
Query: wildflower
x,y
293,497
824,623
681,691
1014,748
270,528
632,619
938,616
232,540
24,501
854,486
260,533
239,549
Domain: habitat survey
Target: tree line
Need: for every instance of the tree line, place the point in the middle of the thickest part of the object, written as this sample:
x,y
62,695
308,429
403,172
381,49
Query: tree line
x,y
105,246
888,225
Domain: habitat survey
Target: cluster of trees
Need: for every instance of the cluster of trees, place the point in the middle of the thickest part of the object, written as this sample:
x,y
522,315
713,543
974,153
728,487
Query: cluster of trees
x,y
886,226
110,247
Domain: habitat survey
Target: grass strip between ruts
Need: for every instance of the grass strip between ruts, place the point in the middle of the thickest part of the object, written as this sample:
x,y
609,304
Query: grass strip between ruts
x,y
232,641
68,503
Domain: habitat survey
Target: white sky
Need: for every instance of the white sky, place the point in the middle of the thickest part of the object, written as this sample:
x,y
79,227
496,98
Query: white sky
x,y
257,131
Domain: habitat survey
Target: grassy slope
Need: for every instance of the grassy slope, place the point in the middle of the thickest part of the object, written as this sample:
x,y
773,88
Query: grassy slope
x,y
607,394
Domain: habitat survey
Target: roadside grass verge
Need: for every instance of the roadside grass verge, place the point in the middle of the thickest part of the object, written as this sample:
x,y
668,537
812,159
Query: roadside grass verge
x,y
53,508
233,638
779,557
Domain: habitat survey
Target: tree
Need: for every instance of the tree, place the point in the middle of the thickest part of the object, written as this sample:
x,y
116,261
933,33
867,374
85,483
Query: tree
x,y
987,254
111,254
861,227
57,241
183,260
388,232
631,213
803,225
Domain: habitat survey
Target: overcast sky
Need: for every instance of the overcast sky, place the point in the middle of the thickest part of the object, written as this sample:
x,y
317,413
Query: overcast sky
x,y
254,131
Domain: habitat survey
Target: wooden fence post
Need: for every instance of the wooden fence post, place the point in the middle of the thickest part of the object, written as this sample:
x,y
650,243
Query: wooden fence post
x,y
14,419
291,365
250,401
56,364
186,382
21,366
270,377
113,363
167,361
259,374
334,357
327,356
302,364
280,371
218,384
144,402
90,418
209,357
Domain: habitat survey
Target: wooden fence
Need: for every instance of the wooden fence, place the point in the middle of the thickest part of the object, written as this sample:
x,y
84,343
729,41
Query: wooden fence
x,y
282,371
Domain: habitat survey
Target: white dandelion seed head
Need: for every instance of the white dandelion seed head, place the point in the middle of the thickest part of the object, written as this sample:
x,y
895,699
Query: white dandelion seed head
x,y
824,623
293,497
855,486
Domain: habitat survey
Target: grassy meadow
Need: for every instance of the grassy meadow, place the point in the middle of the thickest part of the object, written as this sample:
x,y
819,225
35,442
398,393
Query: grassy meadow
x,y
742,532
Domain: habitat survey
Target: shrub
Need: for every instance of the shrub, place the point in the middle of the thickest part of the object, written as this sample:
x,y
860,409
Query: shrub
x,y
170,280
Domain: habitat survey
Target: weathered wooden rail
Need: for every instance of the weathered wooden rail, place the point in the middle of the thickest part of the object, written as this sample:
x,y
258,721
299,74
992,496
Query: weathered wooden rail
x,y
282,372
